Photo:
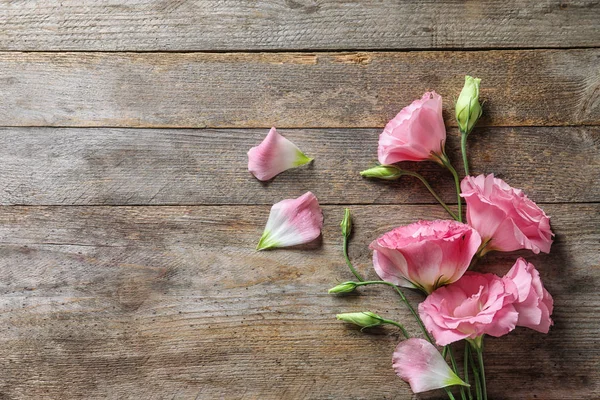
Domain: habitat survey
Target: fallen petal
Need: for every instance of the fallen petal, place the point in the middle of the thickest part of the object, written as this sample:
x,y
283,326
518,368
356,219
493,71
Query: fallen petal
x,y
292,222
273,156
420,364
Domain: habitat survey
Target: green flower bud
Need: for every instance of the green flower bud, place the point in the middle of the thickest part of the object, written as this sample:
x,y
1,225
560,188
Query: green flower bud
x,y
365,319
388,172
345,287
468,109
346,223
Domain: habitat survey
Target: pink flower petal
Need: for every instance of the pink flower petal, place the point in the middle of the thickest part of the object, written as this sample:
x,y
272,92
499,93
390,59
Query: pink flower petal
x,y
420,364
292,222
273,156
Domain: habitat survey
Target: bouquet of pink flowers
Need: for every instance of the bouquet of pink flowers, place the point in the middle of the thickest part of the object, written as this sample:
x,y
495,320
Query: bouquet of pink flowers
x,y
433,257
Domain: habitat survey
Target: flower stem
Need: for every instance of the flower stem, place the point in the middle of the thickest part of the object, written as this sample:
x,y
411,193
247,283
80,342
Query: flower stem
x,y
433,193
405,301
455,369
348,262
482,369
443,160
457,184
466,369
449,393
476,378
413,312
400,326
463,148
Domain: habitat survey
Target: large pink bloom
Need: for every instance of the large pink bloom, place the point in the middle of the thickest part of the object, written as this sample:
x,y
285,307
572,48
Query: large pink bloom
x,y
504,216
416,132
273,156
533,302
475,305
420,364
425,254
292,222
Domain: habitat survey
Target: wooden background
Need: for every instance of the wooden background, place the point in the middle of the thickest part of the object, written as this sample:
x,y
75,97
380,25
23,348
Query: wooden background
x,y
129,219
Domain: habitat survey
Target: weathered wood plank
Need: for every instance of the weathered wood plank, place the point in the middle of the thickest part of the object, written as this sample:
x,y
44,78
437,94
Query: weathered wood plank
x,y
292,24
173,302
75,166
541,87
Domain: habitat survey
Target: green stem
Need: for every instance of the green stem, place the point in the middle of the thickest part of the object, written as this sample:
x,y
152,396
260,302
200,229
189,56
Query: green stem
x,y
433,193
410,307
404,332
449,393
463,148
456,183
455,369
463,141
482,369
348,262
477,379
413,312
466,370
443,160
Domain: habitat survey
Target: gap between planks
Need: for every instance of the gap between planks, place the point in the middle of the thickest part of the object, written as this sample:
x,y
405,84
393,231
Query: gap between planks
x,y
315,50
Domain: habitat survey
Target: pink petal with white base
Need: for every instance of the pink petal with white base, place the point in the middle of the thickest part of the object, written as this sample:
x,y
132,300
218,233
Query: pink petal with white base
x,y
273,156
420,364
292,222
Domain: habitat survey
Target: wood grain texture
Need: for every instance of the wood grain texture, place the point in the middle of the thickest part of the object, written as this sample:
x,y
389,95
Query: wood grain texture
x,y
83,166
538,87
110,25
173,302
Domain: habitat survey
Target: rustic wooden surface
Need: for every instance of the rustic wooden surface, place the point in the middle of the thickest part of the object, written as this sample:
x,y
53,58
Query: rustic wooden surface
x,y
200,25
293,90
127,262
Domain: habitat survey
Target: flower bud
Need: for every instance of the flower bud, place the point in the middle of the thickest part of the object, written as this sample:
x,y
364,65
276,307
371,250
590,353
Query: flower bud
x,y
345,287
346,223
365,319
388,172
468,109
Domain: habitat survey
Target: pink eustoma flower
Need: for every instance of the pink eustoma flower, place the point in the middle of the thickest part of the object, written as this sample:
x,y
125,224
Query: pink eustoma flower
x,y
292,222
475,305
273,156
419,363
533,302
505,217
425,254
415,133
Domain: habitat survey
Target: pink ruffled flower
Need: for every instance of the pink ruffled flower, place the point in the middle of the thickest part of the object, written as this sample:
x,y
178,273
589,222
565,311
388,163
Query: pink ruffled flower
x,y
425,254
419,363
292,222
416,132
533,302
504,217
273,156
475,305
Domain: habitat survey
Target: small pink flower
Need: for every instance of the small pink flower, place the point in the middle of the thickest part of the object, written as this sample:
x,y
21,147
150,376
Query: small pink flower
x,y
533,302
475,305
504,217
273,156
292,222
416,132
419,363
425,254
